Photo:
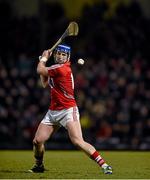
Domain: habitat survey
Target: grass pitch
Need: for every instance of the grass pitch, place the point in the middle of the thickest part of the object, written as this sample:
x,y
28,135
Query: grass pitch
x,y
75,165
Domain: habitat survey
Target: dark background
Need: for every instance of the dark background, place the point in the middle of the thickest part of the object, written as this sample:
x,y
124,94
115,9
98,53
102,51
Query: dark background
x,y
112,88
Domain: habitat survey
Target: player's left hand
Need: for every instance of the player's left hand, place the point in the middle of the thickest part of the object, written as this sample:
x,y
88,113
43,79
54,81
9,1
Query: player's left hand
x,y
45,56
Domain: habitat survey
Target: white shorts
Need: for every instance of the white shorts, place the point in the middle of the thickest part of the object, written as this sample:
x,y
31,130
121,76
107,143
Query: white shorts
x,y
61,117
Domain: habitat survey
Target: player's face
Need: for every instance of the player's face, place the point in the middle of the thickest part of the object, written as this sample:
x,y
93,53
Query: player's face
x,y
61,57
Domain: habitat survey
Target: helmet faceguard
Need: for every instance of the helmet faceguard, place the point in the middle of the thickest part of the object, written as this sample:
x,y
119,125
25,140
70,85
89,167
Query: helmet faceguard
x,y
62,49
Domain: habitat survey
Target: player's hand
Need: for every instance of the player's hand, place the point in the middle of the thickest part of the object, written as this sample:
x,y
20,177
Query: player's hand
x,y
45,56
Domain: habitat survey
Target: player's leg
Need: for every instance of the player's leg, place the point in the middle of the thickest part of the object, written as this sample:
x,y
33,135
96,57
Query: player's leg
x,y
75,134
43,133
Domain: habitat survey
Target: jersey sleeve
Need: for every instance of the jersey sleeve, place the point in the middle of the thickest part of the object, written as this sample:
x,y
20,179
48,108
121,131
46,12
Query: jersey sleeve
x,y
54,70
51,72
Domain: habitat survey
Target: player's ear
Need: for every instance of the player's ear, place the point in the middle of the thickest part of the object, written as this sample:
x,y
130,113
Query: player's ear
x,y
68,56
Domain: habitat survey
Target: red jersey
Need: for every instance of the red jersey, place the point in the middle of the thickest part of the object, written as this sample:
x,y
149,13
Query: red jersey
x,y
61,86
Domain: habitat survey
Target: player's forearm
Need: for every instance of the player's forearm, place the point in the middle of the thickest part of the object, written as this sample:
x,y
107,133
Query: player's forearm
x,y
44,81
41,69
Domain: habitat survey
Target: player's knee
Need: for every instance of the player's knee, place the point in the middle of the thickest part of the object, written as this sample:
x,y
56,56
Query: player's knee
x,y
37,141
